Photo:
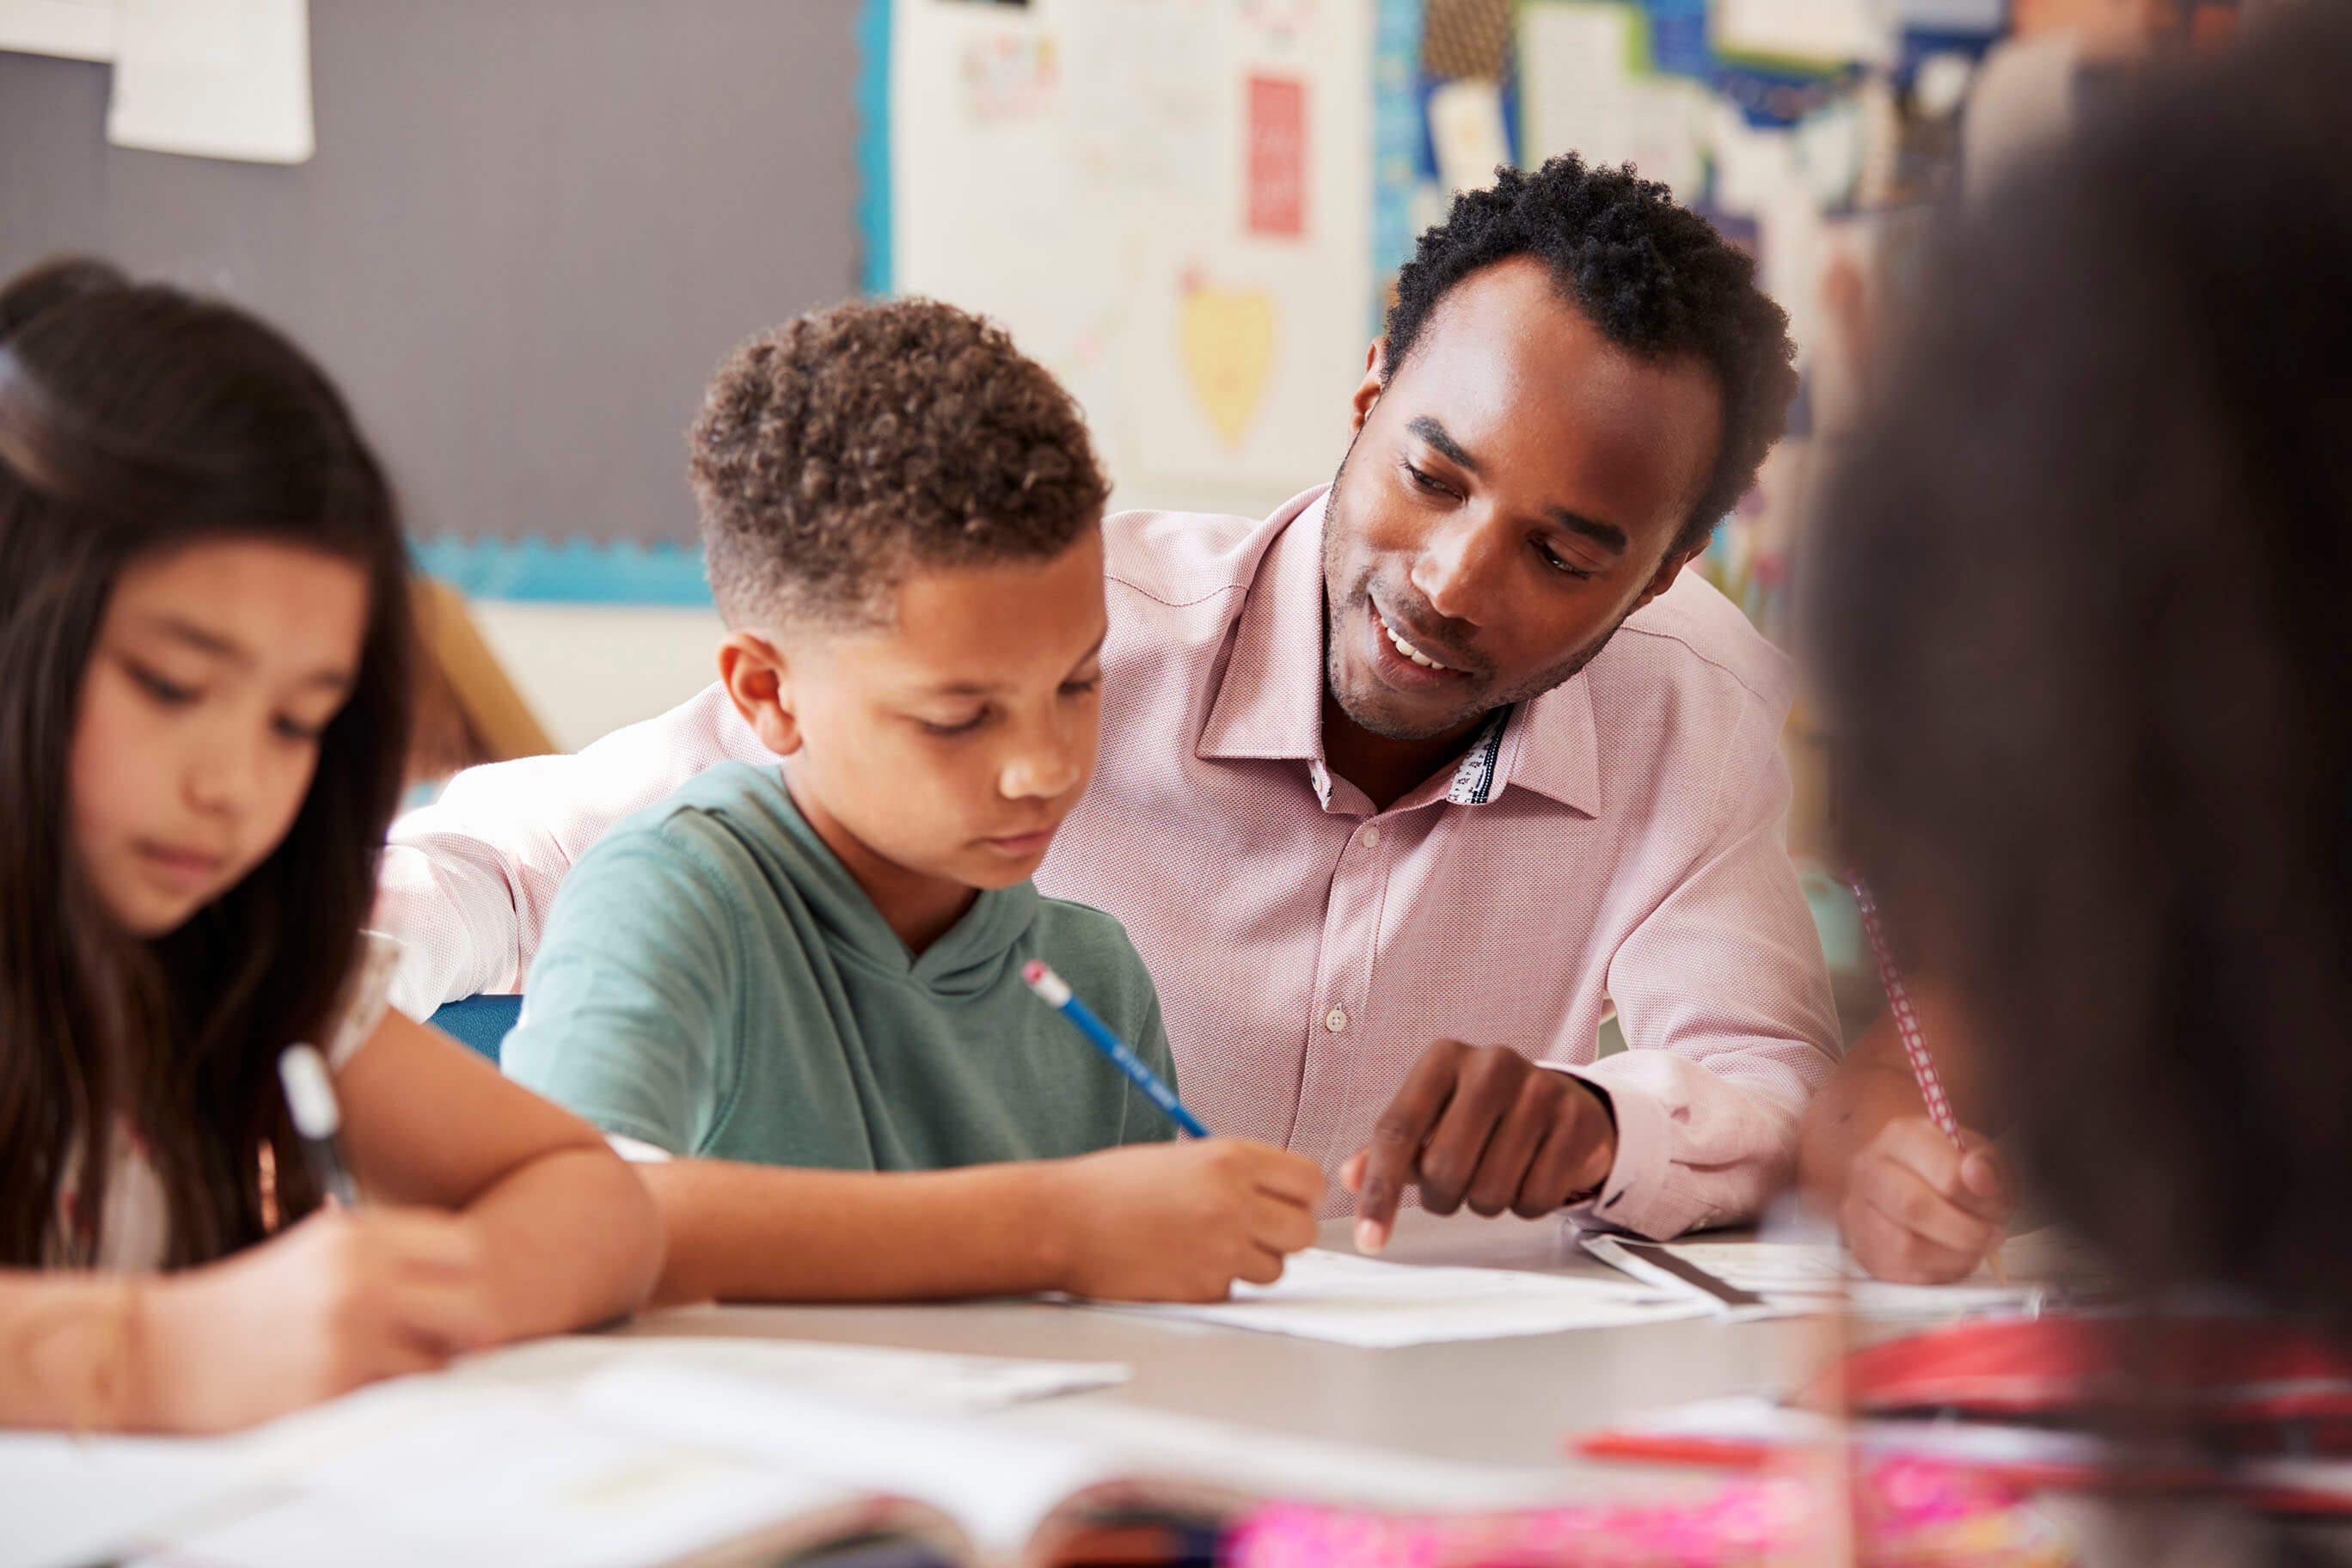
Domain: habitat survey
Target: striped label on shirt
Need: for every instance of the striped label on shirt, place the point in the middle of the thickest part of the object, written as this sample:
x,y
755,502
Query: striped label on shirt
x,y
1473,781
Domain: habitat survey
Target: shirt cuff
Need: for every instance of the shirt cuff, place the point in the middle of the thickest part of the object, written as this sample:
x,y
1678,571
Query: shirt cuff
x,y
1630,1197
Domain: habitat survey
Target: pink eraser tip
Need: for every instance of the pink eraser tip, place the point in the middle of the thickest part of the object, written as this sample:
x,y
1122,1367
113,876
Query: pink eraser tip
x,y
1033,971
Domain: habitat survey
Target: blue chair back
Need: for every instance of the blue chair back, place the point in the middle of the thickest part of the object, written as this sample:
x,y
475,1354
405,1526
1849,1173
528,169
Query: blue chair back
x,y
481,1022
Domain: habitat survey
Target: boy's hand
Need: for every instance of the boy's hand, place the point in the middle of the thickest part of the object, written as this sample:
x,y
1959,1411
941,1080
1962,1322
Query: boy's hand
x,y
340,1300
1917,1211
1486,1126
1180,1222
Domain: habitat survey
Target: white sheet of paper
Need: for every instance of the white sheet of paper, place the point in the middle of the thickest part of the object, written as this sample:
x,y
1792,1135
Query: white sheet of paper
x,y
215,78
67,1501
74,29
1808,29
997,1484
1798,1273
1465,128
931,1382
1378,1306
1579,92
490,1475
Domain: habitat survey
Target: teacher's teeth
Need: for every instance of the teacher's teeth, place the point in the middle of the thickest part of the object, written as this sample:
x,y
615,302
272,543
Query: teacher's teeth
x,y
1410,651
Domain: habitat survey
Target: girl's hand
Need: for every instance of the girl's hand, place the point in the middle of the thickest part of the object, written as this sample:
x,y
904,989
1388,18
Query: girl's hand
x,y
342,1299
1180,1222
1919,1212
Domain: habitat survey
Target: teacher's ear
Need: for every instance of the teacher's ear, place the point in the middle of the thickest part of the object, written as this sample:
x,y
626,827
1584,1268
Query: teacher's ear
x,y
1376,374
758,677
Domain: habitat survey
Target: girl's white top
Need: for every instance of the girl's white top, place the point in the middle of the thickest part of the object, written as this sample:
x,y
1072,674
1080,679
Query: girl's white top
x,y
135,1231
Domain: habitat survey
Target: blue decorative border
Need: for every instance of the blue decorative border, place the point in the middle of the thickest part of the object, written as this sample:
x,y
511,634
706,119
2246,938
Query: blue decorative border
x,y
576,571
1398,133
873,106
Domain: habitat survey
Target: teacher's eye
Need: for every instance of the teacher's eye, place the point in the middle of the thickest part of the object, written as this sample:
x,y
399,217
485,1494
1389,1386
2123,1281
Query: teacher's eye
x,y
1426,482
952,727
1553,560
170,693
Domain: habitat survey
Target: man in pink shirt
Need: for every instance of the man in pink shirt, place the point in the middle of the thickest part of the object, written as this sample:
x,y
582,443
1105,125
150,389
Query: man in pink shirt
x,y
1403,788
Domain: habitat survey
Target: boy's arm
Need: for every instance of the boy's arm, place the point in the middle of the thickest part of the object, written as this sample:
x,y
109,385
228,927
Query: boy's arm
x,y
467,883
1153,1222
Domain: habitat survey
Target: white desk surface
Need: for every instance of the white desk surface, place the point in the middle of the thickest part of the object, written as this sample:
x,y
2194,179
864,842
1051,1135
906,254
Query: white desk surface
x,y
1498,1402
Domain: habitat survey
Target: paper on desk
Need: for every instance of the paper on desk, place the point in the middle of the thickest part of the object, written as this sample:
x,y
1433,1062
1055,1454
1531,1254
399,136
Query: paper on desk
x,y
1800,1275
66,1501
494,1475
925,1381
1380,1306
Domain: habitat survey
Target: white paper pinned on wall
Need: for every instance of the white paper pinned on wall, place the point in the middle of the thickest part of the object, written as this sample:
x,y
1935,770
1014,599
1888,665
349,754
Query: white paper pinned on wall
x,y
1583,89
75,29
215,78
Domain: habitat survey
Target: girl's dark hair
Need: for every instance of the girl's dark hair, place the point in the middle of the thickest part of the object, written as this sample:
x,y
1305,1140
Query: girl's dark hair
x,y
135,419
2079,606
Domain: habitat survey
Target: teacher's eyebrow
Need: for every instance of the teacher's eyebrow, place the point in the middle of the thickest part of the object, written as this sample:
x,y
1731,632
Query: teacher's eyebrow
x,y
1427,428
1607,535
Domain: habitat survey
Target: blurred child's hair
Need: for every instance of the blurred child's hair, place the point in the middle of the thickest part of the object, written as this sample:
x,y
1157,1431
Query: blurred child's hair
x,y
2080,604
853,444
135,419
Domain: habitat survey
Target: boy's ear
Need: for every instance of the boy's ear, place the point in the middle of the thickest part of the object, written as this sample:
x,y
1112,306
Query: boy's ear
x,y
1376,372
759,680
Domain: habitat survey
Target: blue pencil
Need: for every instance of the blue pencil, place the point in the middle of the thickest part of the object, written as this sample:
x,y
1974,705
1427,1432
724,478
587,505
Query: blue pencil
x,y
1055,992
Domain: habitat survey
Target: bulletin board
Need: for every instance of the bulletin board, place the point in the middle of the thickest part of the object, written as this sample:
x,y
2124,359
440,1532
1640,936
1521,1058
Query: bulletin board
x,y
528,232
1169,203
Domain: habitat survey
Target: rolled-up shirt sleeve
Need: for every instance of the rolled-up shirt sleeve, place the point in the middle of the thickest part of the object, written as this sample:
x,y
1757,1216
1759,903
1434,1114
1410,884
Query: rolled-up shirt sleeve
x,y
1724,999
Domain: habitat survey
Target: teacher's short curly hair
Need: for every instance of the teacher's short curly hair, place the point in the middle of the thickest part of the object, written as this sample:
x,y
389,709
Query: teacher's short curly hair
x,y
1654,277
850,446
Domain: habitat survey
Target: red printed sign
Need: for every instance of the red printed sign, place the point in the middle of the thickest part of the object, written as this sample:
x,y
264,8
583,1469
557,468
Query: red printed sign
x,y
1277,156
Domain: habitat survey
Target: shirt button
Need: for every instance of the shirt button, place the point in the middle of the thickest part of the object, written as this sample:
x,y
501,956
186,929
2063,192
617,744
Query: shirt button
x,y
1371,836
1335,1020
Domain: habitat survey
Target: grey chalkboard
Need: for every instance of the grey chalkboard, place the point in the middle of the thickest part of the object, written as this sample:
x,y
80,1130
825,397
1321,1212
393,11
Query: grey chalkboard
x,y
532,228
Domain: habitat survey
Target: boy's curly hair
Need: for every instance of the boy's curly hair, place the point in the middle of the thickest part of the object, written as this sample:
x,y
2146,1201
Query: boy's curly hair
x,y
1655,278
851,445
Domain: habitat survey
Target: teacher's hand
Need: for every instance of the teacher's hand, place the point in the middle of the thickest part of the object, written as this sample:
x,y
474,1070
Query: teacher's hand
x,y
1481,1125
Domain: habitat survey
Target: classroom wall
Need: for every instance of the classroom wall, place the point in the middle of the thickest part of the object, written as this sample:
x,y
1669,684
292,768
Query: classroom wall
x,y
530,230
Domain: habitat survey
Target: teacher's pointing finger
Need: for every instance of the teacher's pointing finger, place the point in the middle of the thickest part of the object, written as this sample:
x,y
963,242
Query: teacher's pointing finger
x,y
1378,1172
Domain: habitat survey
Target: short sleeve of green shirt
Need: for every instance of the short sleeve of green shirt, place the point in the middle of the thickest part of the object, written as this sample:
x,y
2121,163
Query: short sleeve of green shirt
x,y
630,1016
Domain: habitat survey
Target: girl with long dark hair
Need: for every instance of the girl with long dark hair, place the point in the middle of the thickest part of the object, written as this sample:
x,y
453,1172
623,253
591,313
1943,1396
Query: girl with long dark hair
x,y
204,708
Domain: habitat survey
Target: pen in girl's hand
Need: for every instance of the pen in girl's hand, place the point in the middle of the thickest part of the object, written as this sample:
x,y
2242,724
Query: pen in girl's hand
x,y
311,1098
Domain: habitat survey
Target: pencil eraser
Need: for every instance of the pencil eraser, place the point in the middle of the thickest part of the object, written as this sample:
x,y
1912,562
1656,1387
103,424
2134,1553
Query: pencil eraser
x,y
1052,987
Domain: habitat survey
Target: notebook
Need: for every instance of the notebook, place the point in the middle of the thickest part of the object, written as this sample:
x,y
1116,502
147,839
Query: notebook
x,y
649,1456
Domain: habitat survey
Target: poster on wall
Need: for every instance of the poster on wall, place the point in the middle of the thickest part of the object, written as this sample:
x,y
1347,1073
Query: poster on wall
x,y
1167,203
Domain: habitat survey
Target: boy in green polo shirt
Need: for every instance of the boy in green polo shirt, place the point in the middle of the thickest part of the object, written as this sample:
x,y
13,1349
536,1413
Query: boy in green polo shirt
x,y
795,992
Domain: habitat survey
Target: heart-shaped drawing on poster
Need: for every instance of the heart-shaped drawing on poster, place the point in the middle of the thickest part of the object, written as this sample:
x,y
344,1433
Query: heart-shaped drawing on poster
x,y
1228,342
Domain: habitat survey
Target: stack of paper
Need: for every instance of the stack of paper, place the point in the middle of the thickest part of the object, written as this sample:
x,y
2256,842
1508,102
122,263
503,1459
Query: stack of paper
x,y
1360,1301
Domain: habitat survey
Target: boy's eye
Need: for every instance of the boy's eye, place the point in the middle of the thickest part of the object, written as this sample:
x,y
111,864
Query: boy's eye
x,y
1552,559
959,727
170,693
1080,687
